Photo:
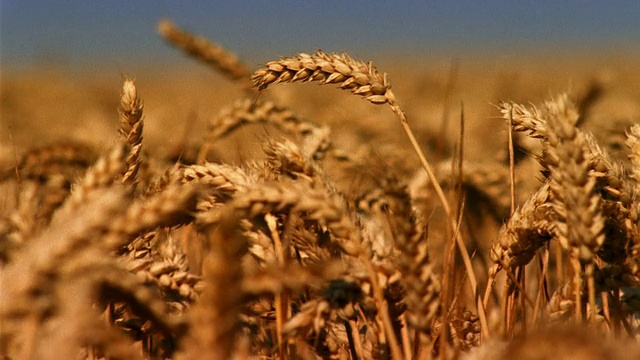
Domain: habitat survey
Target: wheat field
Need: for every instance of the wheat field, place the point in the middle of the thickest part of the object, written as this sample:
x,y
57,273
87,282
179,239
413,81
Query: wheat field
x,y
486,210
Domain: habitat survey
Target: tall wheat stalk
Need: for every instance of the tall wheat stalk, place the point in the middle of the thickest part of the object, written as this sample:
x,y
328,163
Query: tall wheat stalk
x,y
364,80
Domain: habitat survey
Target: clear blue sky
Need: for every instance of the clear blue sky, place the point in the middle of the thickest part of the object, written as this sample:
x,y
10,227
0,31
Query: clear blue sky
x,y
124,31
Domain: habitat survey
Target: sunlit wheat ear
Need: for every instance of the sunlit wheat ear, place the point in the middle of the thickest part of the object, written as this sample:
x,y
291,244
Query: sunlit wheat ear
x,y
580,222
360,78
534,122
249,111
252,111
286,159
579,226
531,121
130,130
220,179
202,49
353,75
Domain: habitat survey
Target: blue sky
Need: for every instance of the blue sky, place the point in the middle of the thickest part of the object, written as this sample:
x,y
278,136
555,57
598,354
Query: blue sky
x,y
84,32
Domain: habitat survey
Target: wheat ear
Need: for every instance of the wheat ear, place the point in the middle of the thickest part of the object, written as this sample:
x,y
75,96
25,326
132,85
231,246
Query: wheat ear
x,y
531,121
202,49
131,124
528,229
580,224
